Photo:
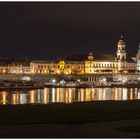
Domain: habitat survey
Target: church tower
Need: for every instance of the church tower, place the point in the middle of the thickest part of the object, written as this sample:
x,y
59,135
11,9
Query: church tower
x,y
90,56
121,52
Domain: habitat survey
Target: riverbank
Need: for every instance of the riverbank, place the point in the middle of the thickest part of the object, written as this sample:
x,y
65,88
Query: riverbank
x,y
88,119
21,87
90,130
84,112
2,88
95,86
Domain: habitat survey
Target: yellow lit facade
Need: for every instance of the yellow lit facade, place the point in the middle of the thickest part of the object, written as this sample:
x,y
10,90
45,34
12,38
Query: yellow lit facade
x,y
90,65
4,69
60,67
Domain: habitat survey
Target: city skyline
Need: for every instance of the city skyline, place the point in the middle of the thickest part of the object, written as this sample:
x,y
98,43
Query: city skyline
x,y
69,69
53,30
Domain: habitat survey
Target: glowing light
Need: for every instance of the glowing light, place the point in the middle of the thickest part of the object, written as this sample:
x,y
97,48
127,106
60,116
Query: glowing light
x,y
124,94
61,64
14,99
26,78
32,96
62,82
78,80
58,71
82,95
53,81
4,97
45,96
53,94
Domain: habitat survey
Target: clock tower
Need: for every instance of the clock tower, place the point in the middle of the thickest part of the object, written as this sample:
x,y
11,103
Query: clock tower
x,y
121,52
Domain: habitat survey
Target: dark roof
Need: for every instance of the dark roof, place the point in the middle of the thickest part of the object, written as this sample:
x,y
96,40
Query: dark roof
x,y
130,60
97,57
84,56
104,57
4,62
20,62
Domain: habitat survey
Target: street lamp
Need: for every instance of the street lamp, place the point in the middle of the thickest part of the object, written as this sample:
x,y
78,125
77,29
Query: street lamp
x,y
53,81
78,80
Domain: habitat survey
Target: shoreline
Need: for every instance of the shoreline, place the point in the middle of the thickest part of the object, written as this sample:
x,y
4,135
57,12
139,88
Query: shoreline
x,y
102,86
55,86
21,88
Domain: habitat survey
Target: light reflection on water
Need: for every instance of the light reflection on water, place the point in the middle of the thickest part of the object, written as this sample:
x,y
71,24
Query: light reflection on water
x,y
67,95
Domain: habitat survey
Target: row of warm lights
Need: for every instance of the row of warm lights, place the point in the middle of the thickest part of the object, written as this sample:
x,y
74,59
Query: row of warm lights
x,y
83,95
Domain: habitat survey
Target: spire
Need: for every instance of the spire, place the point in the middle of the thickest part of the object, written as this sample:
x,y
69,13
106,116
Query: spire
x,y
121,37
121,41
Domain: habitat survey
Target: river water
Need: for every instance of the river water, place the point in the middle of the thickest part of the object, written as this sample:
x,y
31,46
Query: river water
x,y
67,95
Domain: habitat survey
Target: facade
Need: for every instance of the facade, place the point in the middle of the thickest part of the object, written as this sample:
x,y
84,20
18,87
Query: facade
x,y
19,67
110,64
15,67
96,66
4,69
92,64
57,67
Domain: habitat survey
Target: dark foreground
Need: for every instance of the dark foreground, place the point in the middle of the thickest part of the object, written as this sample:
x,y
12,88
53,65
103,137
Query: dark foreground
x,y
91,130
89,119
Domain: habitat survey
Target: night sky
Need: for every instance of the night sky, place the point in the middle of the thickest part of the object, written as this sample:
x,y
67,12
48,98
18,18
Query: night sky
x,y
54,30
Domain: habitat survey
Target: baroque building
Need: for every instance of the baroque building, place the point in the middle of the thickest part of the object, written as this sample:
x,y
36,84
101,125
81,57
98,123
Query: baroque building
x,y
110,63
57,67
91,63
19,67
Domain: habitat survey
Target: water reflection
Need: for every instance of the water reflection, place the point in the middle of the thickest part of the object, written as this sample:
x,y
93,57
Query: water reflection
x,y
67,95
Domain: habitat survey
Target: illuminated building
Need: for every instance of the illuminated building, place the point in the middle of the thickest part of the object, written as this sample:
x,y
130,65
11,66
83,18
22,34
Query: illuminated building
x,y
4,68
109,63
15,67
19,67
91,64
57,67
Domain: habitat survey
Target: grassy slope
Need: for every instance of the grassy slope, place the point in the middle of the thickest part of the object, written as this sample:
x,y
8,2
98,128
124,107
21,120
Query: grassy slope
x,y
70,113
